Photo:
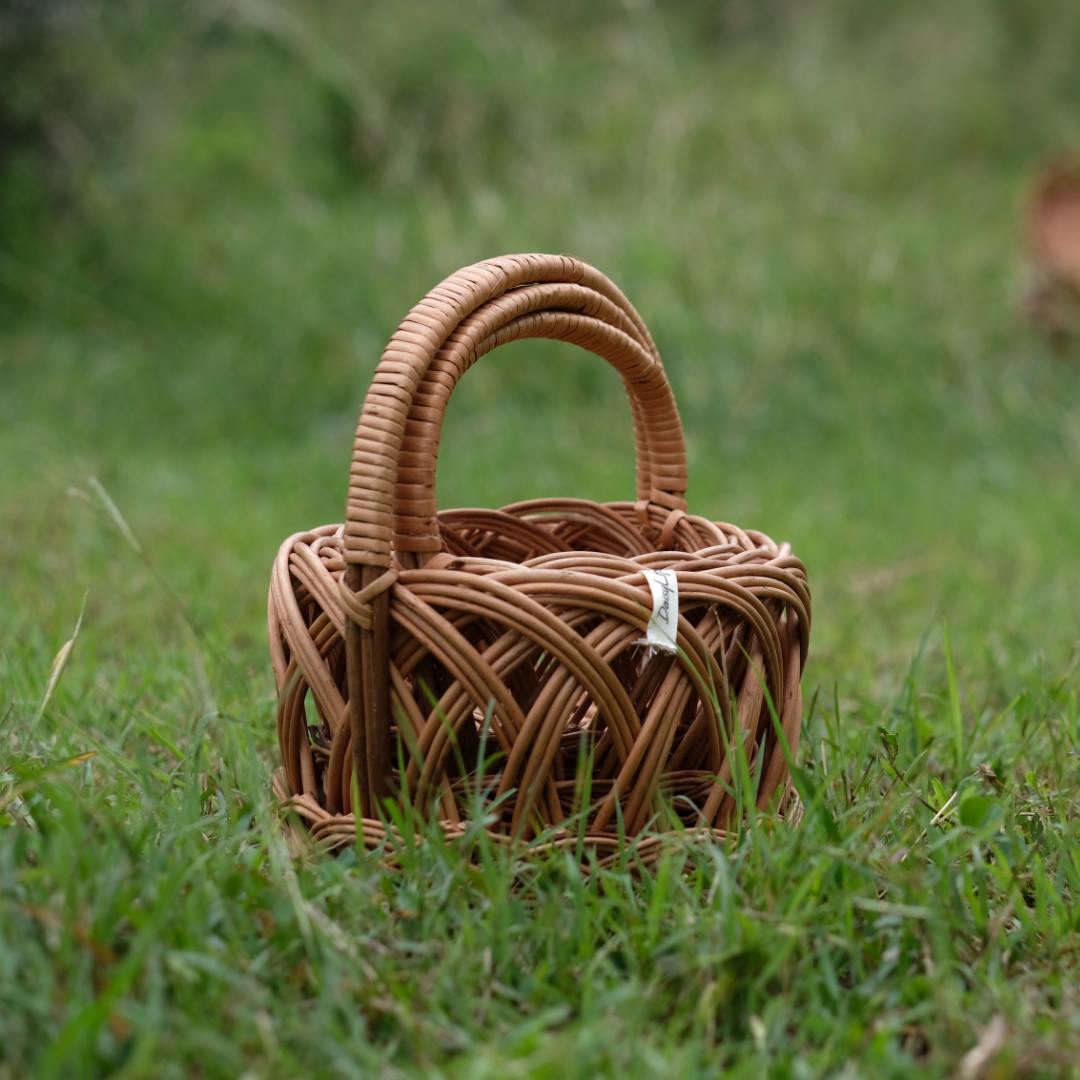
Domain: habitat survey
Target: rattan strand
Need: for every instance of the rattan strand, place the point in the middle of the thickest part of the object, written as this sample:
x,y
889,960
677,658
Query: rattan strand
x,y
490,661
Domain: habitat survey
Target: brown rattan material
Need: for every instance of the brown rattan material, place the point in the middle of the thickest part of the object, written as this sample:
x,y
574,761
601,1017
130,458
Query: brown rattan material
x,y
493,659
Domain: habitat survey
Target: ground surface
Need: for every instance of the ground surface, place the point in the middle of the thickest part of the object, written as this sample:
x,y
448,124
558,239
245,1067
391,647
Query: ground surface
x,y
817,215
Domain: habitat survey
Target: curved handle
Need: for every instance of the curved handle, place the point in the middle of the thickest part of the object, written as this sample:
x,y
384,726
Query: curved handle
x,y
391,505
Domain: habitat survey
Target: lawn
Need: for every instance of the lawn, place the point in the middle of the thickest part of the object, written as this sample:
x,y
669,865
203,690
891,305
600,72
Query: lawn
x,y
210,222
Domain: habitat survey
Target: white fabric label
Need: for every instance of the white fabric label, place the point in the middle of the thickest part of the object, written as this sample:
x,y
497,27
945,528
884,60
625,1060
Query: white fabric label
x,y
663,626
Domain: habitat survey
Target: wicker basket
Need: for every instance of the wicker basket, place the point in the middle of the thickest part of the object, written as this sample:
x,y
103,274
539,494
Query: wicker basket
x,y
519,663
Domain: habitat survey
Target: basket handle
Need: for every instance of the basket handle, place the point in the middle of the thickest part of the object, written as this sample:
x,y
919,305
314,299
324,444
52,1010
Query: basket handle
x,y
391,508
390,517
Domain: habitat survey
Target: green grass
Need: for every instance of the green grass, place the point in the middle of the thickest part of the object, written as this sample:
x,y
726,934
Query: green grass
x,y
815,207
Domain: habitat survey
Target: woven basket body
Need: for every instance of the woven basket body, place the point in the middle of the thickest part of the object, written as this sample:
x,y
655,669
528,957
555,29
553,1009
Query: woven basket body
x,y
496,661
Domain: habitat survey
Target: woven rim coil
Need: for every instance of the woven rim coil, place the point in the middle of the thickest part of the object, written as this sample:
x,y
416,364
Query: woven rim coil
x,y
493,661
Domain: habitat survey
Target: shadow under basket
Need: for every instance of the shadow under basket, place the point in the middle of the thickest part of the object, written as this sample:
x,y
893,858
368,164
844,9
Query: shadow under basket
x,y
558,668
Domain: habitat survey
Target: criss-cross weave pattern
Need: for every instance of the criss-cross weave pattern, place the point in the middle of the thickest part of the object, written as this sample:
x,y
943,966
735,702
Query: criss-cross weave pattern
x,y
493,662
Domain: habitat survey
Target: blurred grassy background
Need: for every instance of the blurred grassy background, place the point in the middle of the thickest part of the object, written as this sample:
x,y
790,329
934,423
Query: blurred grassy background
x,y
213,215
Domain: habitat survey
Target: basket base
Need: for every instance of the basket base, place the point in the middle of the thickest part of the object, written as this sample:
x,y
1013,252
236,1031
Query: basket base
x,y
309,826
